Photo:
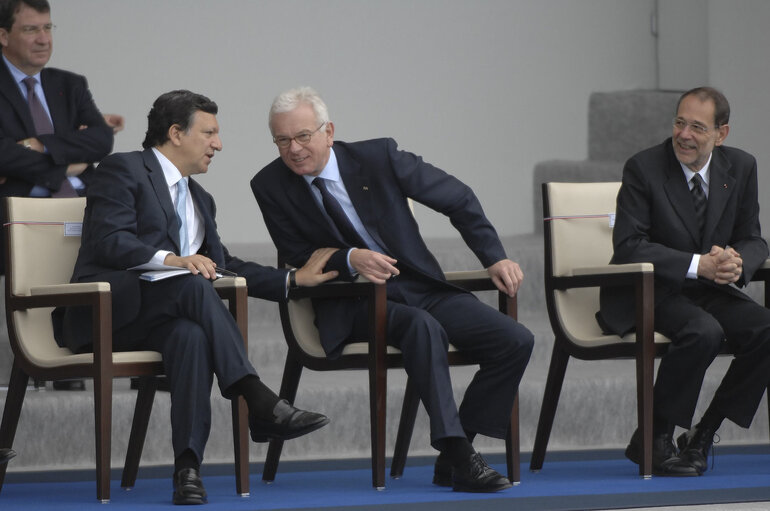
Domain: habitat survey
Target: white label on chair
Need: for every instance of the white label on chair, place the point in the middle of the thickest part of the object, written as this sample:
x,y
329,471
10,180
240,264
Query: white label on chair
x,y
612,220
73,228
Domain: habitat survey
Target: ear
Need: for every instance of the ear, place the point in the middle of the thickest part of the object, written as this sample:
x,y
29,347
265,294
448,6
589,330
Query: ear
x,y
722,132
3,37
175,134
329,133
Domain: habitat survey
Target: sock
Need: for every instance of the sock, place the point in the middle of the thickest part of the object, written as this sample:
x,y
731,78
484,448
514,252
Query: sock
x,y
457,449
259,398
187,459
711,420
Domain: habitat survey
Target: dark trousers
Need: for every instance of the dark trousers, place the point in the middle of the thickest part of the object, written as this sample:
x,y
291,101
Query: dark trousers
x,y
422,322
697,321
184,319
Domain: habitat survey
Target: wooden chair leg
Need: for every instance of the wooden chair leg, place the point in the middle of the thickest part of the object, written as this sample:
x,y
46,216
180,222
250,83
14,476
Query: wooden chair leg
x,y
289,384
512,445
405,429
556,371
241,446
144,399
103,431
378,377
17,388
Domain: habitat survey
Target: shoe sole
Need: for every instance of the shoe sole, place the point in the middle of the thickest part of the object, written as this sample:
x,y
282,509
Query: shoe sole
x,y
188,501
295,434
494,489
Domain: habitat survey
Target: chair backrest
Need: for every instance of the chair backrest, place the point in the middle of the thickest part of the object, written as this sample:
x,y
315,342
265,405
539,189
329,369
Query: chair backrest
x,y
42,243
577,226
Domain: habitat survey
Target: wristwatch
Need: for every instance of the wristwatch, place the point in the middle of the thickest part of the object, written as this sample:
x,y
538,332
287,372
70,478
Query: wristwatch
x,y
293,279
26,143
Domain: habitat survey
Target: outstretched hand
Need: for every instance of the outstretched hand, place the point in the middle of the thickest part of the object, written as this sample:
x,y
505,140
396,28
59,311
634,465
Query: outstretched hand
x,y
312,273
196,263
375,267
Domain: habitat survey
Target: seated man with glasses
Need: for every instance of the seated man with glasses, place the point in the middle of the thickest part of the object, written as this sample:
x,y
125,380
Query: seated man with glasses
x,y
353,196
689,206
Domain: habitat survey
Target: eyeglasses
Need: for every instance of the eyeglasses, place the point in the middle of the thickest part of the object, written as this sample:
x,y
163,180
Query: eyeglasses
x,y
696,127
302,138
33,30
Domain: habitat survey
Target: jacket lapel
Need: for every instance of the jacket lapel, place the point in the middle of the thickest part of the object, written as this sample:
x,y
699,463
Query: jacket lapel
x,y
721,184
10,90
158,182
678,193
57,104
301,199
359,187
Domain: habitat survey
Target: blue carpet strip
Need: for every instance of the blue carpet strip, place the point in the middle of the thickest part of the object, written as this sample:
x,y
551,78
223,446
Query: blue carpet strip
x,y
569,481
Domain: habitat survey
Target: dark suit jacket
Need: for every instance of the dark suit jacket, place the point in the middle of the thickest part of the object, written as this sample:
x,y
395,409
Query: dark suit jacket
x,y
655,222
71,106
378,178
129,217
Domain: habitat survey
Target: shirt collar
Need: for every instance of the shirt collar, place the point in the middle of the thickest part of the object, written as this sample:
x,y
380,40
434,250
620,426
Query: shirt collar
x,y
170,172
18,75
704,172
331,171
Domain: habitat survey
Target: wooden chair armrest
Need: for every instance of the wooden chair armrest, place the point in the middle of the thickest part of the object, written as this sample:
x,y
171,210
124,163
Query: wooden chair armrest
x,y
605,275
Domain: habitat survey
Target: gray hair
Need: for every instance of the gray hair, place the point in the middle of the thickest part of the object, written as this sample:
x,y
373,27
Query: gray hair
x,y
292,98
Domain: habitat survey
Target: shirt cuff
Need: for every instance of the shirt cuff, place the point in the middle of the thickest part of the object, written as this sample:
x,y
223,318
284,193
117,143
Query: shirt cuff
x,y
352,270
692,272
160,257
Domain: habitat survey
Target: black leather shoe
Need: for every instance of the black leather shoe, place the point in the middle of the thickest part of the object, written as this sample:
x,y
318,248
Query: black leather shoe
x,y
188,488
442,471
694,446
665,461
287,423
69,385
475,476
6,454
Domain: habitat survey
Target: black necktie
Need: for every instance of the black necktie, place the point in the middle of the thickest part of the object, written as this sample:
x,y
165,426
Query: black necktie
x,y
699,201
338,216
43,126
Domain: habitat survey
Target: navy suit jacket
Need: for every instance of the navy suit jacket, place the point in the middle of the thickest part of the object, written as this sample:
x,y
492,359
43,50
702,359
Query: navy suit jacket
x,y
379,178
129,217
655,222
71,107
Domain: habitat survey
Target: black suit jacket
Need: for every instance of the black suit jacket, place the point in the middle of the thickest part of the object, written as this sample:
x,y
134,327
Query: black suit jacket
x,y
379,178
71,107
129,217
655,222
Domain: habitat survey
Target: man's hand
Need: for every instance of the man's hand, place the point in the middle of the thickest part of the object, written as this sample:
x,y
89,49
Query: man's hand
x,y
115,121
376,267
33,144
507,276
75,169
312,273
722,265
196,263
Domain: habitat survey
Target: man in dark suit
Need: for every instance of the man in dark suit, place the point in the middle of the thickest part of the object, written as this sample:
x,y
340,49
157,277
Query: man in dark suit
x,y
143,208
690,207
49,137
368,217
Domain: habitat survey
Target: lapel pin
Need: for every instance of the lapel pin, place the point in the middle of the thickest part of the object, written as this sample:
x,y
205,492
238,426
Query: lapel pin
x,y
366,188
724,186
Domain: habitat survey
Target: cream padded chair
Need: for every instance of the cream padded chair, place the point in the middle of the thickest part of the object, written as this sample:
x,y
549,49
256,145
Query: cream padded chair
x,y
297,317
578,246
42,242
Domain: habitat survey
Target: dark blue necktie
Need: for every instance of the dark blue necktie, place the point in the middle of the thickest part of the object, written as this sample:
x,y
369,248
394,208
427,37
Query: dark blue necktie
x,y
338,216
699,201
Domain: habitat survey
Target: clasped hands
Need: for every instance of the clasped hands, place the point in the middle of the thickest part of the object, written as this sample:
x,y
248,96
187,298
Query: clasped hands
x,y
722,265
378,268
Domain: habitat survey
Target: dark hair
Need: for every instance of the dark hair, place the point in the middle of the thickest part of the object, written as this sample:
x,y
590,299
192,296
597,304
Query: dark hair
x,y
175,107
721,106
9,8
